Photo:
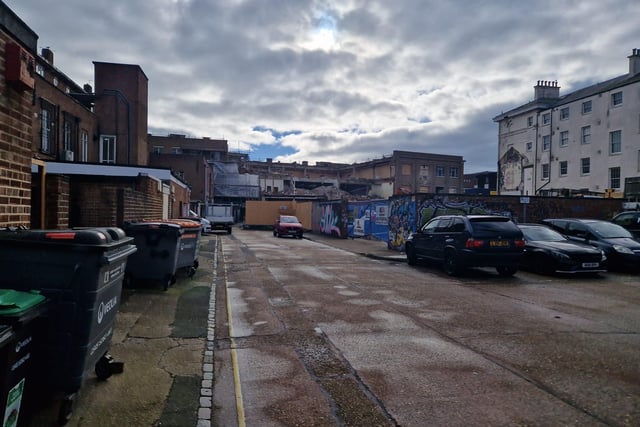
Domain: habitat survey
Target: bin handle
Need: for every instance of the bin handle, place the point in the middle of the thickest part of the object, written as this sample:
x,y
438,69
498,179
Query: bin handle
x,y
110,258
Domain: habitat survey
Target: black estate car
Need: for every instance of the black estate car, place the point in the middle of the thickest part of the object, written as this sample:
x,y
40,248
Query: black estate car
x,y
546,251
461,241
621,248
629,220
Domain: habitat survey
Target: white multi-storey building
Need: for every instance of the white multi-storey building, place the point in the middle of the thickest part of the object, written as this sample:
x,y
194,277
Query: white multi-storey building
x,y
587,141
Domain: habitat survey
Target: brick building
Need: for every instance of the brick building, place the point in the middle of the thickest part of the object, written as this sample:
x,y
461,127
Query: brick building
x,y
17,48
50,126
403,172
192,160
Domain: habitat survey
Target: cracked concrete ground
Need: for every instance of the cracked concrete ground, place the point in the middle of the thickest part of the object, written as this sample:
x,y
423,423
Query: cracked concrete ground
x,y
160,338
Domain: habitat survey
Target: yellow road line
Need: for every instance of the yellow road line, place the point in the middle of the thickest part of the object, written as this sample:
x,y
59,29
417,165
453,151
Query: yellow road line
x,y
234,354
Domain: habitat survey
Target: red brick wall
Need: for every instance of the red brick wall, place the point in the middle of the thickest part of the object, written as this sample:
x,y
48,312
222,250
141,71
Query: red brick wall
x,y
182,198
109,203
15,150
57,202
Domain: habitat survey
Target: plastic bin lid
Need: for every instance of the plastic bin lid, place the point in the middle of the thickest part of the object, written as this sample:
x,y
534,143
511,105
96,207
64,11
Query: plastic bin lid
x,y
180,222
85,236
185,223
13,303
144,224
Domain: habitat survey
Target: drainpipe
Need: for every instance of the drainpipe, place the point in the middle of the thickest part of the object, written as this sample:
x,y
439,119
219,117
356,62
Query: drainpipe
x,y
124,99
550,152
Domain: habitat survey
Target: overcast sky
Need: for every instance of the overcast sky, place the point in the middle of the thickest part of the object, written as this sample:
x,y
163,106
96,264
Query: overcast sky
x,y
341,80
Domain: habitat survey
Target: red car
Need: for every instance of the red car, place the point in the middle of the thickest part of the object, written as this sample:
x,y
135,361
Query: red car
x,y
288,225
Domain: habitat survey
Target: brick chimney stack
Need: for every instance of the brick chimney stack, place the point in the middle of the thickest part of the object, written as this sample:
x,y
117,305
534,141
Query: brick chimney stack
x,y
634,62
47,54
546,90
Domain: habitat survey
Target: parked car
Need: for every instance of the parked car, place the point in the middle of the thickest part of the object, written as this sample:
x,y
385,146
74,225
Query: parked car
x,y
461,241
619,245
206,224
629,220
546,251
288,225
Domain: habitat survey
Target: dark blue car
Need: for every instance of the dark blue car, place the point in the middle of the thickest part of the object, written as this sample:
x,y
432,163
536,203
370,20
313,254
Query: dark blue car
x,y
619,245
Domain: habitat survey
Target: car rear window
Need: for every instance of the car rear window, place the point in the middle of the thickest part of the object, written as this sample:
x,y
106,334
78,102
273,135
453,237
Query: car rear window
x,y
494,225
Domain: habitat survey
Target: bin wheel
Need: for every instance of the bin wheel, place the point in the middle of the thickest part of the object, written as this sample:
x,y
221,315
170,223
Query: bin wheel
x,y
196,264
192,271
66,409
103,367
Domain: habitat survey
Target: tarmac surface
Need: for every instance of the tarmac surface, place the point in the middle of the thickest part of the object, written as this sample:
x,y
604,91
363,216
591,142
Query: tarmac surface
x,y
165,341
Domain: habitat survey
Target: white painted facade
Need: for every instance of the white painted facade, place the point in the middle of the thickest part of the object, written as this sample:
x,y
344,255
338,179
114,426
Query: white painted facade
x,y
587,141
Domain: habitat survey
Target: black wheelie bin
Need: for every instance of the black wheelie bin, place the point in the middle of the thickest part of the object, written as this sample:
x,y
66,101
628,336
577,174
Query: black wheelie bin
x,y
80,272
189,247
21,318
156,259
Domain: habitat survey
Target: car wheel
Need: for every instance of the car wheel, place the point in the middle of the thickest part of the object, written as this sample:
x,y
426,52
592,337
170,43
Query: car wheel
x,y
412,258
506,270
450,265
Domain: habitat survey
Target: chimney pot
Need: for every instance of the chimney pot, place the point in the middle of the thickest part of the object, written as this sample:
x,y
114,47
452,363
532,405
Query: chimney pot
x,y
47,54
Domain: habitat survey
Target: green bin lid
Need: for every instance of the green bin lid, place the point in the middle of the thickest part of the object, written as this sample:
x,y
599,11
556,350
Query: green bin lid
x,y
14,302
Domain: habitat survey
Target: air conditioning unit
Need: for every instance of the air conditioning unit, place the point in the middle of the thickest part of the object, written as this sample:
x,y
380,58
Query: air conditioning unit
x,y
19,67
66,155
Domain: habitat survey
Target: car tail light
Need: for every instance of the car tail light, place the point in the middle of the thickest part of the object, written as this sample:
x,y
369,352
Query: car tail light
x,y
519,243
473,243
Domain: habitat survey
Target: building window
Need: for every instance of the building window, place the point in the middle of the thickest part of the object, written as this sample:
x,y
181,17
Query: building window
x,y
440,171
615,142
108,149
614,178
176,150
616,99
586,107
84,145
546,143
453,172
585,166
70,134
563,168
530,121
564,113
529,146
586,134
47,127
157,149
546,118
545,171
564,138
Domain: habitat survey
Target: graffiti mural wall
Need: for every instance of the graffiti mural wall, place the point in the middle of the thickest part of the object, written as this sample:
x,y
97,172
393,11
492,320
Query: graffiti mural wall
x,y
402,221
369,219
395,219
431,206
330,218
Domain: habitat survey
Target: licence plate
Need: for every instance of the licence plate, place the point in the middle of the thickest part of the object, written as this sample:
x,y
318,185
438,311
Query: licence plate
x,y
590,264
499,243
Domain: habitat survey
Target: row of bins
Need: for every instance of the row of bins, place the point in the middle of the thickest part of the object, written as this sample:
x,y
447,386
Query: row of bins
x,y
164,247
59,295
79,273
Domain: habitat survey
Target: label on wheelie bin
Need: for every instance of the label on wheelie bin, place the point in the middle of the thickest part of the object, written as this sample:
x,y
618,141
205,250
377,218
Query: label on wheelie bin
x,y
19,313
